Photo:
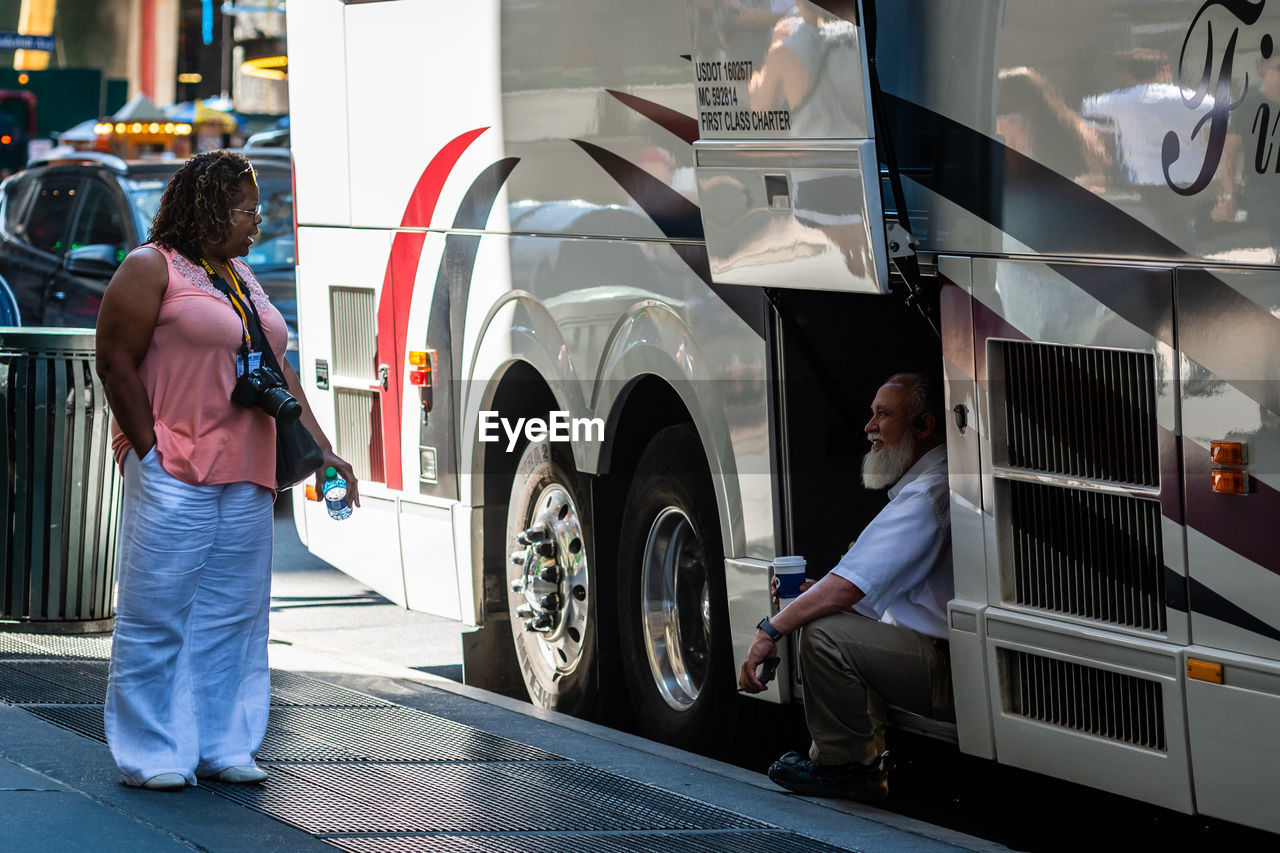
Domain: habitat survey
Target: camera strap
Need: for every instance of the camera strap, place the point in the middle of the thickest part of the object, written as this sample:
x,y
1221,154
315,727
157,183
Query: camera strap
x,y
255,340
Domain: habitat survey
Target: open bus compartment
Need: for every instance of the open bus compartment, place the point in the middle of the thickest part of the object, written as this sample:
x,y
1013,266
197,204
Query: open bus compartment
x,y
803,215
787,170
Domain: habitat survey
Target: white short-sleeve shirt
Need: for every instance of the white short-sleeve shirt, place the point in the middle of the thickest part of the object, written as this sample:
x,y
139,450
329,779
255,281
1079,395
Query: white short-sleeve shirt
x,y
902,560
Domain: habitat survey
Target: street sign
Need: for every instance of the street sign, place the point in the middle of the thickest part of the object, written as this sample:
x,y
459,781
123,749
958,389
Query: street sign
x,y
18,41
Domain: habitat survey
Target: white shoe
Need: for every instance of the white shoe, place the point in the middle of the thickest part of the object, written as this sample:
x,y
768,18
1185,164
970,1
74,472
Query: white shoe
x,y
241,774
166,782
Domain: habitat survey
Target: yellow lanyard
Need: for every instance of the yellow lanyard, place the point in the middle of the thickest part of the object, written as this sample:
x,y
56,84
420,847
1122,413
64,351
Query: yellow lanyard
x,y
236,301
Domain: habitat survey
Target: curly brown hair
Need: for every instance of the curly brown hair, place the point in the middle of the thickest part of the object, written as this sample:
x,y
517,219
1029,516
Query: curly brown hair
x,y
195,207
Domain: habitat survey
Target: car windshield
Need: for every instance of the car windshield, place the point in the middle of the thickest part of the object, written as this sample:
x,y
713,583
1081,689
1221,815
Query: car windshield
x,y
144,198
273,248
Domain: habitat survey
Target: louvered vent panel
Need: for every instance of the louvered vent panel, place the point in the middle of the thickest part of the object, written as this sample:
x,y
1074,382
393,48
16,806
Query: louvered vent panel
x,y
355,340
1081,412
358,418
1094,701
1088,554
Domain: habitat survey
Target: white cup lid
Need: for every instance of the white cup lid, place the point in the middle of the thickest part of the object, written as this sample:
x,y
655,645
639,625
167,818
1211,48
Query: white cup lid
x,y
788,561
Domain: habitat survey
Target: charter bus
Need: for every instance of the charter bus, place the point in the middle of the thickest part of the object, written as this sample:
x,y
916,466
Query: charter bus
x,y
594,294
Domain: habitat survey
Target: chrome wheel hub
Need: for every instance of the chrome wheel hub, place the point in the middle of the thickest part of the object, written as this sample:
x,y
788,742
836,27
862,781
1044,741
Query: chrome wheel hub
x,y
552,578
675,603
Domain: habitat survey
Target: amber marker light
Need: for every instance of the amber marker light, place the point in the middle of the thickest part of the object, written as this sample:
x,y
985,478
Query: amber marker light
x,y
420,375
420,368
1203,670
1226,452
1228,482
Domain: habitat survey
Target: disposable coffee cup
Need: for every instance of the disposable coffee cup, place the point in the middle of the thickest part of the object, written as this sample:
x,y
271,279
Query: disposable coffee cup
x,y
790,574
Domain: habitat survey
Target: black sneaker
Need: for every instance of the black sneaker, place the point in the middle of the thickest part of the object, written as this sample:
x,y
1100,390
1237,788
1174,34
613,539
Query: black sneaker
x,y
855,781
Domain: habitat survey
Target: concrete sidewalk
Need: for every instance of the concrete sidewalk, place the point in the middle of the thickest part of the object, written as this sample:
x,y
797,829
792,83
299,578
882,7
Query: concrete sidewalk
x,y
436,766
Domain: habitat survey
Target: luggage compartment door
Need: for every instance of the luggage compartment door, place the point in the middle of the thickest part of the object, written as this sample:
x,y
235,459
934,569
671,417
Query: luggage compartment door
x,y
787,173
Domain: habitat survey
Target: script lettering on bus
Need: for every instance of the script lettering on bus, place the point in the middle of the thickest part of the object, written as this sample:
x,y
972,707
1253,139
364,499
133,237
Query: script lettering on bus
x,y
1221,86
1263,128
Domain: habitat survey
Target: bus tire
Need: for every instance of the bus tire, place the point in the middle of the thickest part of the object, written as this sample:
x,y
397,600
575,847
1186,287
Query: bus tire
x,y
673,617
550,597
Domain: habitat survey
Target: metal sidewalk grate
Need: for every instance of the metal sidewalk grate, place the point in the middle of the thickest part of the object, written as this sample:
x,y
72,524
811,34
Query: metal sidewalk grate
x,y
384,734
369,776
698,841
289,688
73,682
82,719
451,798
52,645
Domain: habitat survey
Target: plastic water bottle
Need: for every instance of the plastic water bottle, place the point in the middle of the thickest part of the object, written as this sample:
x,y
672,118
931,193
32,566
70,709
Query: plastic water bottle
x,y
335,494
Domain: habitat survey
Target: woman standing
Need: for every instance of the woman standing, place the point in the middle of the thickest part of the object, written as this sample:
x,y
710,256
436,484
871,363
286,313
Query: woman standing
x,y
181,321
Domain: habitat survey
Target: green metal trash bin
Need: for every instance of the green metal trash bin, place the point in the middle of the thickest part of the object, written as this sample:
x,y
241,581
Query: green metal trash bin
x,y
60,492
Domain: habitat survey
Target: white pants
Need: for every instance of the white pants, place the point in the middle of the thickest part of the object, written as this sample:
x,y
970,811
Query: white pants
x,y
189,687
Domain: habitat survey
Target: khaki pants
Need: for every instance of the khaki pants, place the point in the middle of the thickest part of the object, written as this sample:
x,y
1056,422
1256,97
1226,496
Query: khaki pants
x,y
852,668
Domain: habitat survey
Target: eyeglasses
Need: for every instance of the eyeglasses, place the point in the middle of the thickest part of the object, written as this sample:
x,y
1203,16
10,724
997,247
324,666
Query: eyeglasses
x,y
257,211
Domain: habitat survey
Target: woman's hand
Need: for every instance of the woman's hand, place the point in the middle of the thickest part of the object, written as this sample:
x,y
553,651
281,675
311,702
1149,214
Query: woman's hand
x,y
343,468
331,459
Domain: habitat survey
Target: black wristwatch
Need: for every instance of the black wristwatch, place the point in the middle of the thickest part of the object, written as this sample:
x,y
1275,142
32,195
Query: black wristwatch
x,y
770,631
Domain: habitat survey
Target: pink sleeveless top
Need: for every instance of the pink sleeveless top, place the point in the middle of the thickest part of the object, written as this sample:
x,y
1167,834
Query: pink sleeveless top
x,y
189,370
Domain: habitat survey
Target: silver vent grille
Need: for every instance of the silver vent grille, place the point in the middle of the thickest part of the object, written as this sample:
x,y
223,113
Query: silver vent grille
x,y
357,411
1089,554
1081,412
358,420
1094,701
353,312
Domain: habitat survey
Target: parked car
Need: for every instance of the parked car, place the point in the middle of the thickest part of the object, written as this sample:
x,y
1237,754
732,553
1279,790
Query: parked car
x,y
66,223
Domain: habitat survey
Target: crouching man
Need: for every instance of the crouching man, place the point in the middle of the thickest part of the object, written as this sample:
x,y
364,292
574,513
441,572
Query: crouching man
x,y
872,631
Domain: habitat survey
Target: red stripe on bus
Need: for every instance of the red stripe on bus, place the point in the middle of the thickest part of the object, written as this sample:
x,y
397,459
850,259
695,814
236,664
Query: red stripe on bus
x,y
397,291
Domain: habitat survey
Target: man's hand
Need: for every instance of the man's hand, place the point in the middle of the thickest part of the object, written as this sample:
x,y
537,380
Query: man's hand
x,y
774,585
762,648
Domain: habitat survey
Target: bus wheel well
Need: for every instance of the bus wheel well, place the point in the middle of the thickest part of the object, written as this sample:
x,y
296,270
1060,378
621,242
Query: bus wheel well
x,y
521,393
650,407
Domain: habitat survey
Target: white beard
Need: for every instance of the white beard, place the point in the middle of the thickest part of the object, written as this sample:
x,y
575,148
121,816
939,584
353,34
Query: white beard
x,y
882,468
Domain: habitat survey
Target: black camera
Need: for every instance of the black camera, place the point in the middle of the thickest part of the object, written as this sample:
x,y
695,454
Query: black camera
x,y
264,388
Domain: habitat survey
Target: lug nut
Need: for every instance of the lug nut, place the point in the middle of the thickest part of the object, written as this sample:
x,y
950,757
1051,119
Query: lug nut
x,y
531,535
540,623
550,601
550,574
525,610
518,557
546,549
517,585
